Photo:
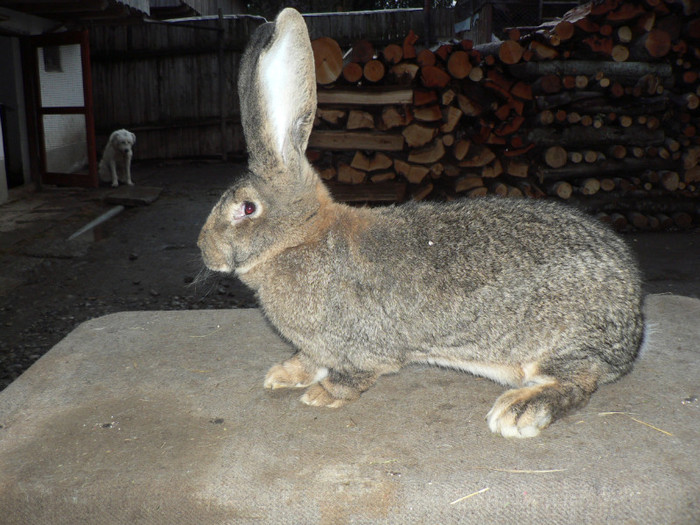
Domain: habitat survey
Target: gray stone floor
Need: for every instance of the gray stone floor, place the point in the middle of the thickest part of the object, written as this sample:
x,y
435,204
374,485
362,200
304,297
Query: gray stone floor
x,y
155,413
160,417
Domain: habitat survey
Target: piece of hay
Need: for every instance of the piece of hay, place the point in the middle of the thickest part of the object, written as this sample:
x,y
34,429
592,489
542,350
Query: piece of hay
x,y
518,471
469,495
637,420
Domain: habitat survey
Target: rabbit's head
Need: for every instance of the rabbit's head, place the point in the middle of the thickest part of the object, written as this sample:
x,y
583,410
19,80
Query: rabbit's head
x,y
270,208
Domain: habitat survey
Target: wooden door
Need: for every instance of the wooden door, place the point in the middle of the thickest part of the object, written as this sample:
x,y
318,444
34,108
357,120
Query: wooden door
x,y
65,128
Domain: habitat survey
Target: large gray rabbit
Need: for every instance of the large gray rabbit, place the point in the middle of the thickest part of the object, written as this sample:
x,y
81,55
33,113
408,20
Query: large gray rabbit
x,y
532,294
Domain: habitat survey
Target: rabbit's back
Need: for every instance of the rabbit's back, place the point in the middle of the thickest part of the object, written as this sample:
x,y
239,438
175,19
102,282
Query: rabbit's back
x,y
485,280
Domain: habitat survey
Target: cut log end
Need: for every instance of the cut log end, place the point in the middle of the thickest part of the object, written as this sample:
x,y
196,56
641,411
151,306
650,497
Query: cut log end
x,y
459,65
328,60
374,70
510,52
555,157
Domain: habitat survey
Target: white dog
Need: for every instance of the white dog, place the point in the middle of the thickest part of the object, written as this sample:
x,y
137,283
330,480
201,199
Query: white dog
x,y
115,165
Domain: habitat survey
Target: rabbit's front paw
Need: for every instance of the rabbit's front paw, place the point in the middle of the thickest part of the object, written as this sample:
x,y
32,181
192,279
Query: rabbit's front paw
x,y
292,374
317,396
520,413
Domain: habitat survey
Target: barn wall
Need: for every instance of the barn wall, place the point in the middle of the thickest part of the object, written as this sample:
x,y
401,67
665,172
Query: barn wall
x,y
161,80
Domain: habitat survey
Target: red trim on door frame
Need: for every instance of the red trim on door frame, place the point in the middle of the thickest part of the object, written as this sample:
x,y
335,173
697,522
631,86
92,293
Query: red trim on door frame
x,y
88,179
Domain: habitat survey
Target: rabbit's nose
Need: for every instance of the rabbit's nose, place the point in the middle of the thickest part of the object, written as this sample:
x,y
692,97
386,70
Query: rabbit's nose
x,y
202,242
212,256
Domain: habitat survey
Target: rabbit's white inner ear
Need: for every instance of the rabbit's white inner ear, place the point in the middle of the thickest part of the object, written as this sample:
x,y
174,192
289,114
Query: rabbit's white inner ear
x,y
279,69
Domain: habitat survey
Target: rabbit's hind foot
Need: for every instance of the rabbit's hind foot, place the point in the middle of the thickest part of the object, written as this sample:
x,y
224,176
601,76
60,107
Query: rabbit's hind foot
x,y
523,412
293,374
338,389
317,396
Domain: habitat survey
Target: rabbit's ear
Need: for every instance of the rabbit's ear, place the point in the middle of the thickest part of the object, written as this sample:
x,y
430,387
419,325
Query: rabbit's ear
x,y
277,90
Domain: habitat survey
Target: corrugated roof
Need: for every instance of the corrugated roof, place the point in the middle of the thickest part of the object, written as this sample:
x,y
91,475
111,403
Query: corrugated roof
x,y
77,11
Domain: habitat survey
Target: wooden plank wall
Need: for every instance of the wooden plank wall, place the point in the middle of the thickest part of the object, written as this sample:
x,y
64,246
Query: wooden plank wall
x,y
161,80
380,27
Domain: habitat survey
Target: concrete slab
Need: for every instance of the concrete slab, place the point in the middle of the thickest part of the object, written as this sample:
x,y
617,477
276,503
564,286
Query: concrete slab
x,y
133,195
160,417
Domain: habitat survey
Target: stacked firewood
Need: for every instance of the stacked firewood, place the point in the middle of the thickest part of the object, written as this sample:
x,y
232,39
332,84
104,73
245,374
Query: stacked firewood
x,y
601,108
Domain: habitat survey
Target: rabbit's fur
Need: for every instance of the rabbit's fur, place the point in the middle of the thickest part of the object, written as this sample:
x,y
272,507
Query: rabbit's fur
x,y
532,294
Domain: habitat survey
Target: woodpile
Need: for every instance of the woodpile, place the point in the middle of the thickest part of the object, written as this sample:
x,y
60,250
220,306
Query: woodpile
x,y
600,108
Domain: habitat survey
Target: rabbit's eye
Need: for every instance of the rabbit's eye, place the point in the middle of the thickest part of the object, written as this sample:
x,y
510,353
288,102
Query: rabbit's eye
x,y
248,208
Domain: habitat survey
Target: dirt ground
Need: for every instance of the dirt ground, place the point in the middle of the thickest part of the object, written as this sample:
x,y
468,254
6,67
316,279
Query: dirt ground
x,y
146,258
